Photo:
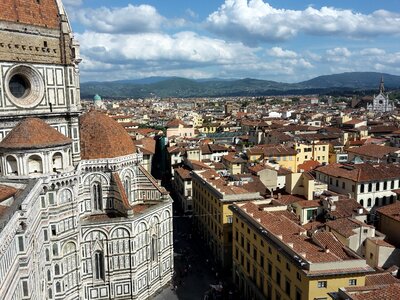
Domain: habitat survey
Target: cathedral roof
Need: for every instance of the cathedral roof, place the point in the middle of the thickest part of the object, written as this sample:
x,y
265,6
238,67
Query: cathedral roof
x,y
33,133
43,13
102,137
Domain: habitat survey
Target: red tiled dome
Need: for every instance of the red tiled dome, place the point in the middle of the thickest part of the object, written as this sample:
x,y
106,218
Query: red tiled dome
x,y
33,133
43,13
102,137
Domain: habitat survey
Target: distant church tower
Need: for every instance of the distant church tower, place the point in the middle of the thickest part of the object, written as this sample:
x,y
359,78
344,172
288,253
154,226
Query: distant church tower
x,y
381,102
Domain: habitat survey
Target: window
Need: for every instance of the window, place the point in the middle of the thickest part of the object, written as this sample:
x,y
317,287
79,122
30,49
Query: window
x,y
269,269
298,294
278,277
287,287
362,202
97,196
298,276
98,271
322,284
369,202
370,187
128,187
288,267
21,246
392,185
353,282
377,186
278,257
55,250
154,248
362,188
57,270
25,289
51,198
53,230
45,235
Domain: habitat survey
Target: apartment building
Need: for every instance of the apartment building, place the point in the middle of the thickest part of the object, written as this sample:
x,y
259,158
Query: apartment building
x,y
372,185
212,195
276,258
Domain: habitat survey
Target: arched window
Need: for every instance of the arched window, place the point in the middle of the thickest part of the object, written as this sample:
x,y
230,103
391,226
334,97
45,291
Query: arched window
x,y
58,287
362,188
370,187
57,269
98,271
128,188
369,202
12,165
384,200
97,196
154,248
391,199
65,196
55,250
48,275
377,186
47,253
57,161
35,164
377,201
362,202
50,292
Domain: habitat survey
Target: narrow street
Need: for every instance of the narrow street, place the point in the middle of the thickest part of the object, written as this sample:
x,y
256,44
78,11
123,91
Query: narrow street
x,y
195,271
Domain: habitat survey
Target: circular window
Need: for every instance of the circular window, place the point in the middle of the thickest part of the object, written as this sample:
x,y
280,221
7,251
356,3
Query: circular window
x,y
380,102
19,86
24,86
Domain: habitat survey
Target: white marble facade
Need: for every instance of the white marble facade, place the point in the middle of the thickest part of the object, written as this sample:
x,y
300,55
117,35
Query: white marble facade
x,y
75,229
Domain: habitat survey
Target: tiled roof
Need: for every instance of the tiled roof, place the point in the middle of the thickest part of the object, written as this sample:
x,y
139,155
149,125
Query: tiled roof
x,y
372,150
380,279
391,210
183,173
386,292
175,123
272,150
321,247
103,137
42,13
345,226
33,133
6,192
362,172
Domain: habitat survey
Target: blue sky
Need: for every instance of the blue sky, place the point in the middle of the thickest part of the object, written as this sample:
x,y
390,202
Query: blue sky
x,y
281,40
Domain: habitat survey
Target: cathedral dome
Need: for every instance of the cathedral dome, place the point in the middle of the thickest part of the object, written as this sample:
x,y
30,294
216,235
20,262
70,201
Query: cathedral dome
x,y
43,13
33,133
102,137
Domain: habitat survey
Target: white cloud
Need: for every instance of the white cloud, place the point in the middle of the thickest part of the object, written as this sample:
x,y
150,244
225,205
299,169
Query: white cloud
x,y
281,53
255,21
339,52
372,51
129,19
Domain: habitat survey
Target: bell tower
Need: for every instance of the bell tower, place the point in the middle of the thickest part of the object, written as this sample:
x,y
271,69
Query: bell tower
x,y
39,74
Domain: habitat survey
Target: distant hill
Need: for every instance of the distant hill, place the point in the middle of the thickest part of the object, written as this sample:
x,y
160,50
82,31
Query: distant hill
x,y
182,87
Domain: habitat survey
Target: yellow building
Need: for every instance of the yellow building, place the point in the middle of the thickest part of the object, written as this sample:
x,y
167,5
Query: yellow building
x,y
212,196
234,163
209,128
282,155
274,257
318,151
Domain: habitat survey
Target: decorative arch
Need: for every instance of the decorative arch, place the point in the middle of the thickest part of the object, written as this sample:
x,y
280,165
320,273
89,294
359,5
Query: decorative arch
x,y
96,192
65,196
35,164
69,247
57,161
12,165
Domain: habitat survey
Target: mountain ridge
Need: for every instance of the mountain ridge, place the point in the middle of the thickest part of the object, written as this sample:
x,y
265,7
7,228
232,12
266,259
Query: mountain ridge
x,y
214,87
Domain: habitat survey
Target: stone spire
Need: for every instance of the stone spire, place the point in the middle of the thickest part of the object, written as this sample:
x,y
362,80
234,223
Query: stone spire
x,y
382,86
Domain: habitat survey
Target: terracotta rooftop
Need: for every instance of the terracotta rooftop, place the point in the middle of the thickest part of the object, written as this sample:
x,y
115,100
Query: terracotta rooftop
x,y
346,226
6,192
183,173
175,123
43,13
33,133
392,210
378,292
380,278
272,150
312,249
372,150
103,137
361,172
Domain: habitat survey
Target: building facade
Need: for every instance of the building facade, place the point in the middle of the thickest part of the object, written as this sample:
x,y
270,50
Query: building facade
x,y
80,217
381,102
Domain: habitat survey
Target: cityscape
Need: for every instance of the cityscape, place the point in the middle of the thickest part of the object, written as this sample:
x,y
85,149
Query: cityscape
x,y
225,150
